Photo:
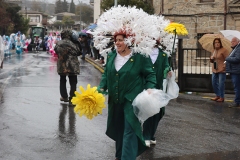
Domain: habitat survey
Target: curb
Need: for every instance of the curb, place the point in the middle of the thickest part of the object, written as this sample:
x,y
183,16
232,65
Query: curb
x,y
95,64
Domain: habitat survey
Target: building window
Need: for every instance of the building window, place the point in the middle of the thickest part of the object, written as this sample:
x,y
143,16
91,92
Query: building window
x,y
202,1
34,18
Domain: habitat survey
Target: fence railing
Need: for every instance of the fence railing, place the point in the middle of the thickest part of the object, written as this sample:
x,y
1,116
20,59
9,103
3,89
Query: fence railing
x,y
196,61
195,70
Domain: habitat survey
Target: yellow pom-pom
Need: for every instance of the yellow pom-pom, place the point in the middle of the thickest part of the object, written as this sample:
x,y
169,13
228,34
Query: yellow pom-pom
x,y
89,102
177,28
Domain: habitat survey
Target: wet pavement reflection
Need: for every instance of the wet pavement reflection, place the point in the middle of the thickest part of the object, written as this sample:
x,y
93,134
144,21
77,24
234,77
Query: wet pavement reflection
x,y
67,118
34,124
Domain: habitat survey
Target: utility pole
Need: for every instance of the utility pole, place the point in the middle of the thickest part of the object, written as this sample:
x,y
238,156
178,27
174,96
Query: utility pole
x,y
26,12
80,2
115,3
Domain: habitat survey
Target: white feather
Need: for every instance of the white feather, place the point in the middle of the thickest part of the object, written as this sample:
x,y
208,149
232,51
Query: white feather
x,y
144,28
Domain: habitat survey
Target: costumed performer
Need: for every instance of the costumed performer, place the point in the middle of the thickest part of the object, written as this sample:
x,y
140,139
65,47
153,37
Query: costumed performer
x,y
58,38
127,73
21,37
159,59
161,66
124,76
19,46
46,42
27,42
52,45
12,40
49,42
7,46
37,42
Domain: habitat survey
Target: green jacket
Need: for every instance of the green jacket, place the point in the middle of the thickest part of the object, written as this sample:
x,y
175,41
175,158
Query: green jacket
x,y
123,86
160,66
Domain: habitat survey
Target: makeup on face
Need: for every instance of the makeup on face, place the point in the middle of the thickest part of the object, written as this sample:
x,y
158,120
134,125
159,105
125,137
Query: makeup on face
x,y
119,42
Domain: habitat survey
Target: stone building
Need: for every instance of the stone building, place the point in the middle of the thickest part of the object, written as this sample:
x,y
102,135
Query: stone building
x,y
201,16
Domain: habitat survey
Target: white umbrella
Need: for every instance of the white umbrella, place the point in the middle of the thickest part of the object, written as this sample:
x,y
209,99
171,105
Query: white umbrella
x,y
229,34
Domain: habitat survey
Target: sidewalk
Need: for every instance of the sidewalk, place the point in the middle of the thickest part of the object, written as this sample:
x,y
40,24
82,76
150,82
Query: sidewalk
x,y
187,95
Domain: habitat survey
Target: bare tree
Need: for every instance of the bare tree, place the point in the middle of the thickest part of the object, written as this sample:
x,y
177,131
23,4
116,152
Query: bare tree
x,y
36,6
86,13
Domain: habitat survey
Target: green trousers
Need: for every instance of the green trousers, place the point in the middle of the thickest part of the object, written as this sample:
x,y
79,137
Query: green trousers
x,y
151,124
126,139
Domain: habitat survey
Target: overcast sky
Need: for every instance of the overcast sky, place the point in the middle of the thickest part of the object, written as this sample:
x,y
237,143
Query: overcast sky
x,y
75,1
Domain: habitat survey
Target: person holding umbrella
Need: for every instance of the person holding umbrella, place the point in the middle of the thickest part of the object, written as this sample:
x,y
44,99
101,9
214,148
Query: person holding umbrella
x,y
220,47
233,67
218,68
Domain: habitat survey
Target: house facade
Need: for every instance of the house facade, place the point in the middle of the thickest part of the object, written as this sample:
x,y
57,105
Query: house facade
x,y
34,17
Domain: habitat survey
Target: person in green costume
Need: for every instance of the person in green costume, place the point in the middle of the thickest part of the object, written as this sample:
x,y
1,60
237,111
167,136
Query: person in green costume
x,y
161,67
126,75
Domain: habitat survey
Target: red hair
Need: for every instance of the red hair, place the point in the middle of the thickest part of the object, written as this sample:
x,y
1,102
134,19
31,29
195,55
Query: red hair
x,y
123,33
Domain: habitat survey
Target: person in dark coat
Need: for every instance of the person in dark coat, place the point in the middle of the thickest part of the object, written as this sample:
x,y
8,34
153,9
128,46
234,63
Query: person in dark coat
x,y
68,64
85,46
233,67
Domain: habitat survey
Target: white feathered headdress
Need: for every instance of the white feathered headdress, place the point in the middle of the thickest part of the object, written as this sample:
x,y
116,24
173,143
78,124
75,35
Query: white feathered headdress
x,y
135,23
141,29
165,39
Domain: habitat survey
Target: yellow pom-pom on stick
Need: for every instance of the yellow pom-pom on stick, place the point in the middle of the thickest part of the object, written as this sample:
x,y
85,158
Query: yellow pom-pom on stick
x,y
89,102
176,28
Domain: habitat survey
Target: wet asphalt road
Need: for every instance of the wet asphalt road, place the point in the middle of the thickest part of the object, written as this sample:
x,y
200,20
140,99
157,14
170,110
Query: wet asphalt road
x,y
35,125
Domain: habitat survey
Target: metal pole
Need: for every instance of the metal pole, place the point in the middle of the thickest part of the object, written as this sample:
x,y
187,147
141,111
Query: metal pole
x,y
115,3
26,12
80,2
